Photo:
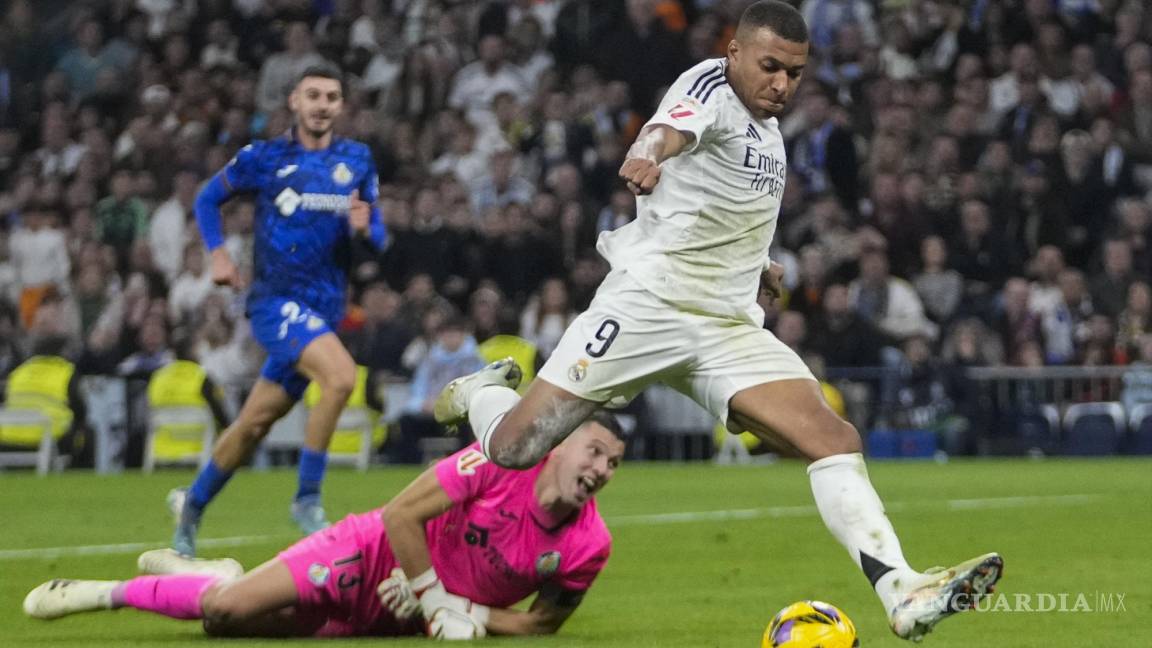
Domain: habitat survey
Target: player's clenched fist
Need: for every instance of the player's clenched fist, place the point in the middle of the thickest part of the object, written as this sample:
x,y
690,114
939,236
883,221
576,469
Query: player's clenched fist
x,y
641,174
224,272
771,281
358,212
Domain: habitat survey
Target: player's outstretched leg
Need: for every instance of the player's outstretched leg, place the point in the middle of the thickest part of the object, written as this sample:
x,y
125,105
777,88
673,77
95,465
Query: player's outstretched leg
x,y
251,605
513,432
326,362
793,415
265,405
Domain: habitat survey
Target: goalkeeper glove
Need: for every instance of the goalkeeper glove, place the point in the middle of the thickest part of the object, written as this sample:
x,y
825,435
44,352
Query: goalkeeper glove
x,y
395,593
448,616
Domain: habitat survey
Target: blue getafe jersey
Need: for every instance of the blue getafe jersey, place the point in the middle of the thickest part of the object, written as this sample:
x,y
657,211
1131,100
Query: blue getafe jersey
x,y
303,239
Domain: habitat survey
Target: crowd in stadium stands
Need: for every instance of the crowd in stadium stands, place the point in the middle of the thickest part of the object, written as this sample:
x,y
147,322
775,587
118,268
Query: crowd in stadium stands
x,y
968,182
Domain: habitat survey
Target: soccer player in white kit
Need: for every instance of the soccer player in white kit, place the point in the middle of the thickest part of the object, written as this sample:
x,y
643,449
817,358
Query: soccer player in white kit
x,y
679,307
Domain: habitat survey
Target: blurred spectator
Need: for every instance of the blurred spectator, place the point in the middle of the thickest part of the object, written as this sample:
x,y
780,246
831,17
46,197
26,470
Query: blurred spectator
x,y
452,355
282,69
172,223
39,252
842,337
826,156
940,288
1016,323
153,353
1045,268
1134,322
121,218
888,302
380,342
501,186
191,287
83,64
792,329
926,397
477,83
641,30
1099,347
1110,287
546,316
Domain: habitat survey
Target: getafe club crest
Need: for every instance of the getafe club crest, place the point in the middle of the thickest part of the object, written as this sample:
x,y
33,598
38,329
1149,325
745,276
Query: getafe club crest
x,y
342,174
547,564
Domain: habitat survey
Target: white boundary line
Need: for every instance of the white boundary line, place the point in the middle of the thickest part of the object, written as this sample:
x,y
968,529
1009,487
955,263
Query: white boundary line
x,y
987,503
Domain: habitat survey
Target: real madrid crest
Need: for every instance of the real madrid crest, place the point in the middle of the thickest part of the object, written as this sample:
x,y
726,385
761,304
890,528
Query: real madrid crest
x,y
578,370
547,564
341,174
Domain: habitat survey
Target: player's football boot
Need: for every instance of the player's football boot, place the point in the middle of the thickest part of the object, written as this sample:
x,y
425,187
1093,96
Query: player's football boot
x,y
160,562
61,597
451,406
187,522
309,514
942,593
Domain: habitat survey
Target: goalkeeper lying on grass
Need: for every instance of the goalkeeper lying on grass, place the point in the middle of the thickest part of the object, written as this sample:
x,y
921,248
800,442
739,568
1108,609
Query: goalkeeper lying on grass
x,y
478,538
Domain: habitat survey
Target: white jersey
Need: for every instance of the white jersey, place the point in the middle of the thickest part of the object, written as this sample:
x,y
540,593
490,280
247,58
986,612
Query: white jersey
x,y
701,238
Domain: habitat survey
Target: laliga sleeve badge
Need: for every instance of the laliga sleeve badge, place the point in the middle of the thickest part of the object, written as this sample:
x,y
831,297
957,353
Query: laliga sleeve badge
x,y
318,574
578,371
547,564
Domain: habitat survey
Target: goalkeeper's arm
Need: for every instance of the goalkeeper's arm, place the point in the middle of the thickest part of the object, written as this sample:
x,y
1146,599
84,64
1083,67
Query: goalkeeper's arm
x,y
551,608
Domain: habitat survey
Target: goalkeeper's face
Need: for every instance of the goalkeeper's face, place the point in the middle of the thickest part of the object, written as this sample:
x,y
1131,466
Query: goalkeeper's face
x,y
316,102
586,462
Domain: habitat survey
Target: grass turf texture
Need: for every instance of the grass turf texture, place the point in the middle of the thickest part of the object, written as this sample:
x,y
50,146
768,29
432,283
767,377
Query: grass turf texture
x,y
670,582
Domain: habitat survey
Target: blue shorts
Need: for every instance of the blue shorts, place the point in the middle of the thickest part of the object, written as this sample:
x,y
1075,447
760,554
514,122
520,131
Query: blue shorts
x,y
284,328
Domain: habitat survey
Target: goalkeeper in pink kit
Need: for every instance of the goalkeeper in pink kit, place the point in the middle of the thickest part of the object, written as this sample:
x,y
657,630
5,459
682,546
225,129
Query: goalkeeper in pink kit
x,y
447,557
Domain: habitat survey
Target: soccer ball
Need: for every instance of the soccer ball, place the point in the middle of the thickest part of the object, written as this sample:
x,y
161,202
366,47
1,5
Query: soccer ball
x,y
810,624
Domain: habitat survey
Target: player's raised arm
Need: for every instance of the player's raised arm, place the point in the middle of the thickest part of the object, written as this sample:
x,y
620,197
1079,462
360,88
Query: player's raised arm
x,y
230,180
656,143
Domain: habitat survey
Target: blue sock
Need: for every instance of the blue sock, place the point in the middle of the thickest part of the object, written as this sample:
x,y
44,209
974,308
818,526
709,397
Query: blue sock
x,y
312,465
208,483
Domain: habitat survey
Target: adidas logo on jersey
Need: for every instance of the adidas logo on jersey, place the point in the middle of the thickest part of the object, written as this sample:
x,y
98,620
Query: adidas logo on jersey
x,y
288,201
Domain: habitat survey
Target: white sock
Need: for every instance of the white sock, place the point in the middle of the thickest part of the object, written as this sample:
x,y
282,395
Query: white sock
x,y
486,407
854,514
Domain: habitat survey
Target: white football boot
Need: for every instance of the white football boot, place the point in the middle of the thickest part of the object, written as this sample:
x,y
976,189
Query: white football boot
x,y
941,592
169,561
61,597
451,406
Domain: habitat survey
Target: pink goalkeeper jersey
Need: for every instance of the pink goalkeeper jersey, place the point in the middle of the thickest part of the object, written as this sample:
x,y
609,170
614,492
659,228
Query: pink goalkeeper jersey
x,y
497,546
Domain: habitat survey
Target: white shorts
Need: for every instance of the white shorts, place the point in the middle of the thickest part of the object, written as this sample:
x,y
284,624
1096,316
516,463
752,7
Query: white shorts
x,y
629,338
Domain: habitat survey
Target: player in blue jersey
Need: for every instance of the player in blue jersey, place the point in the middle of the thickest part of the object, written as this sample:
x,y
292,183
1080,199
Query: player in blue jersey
x,y
316,197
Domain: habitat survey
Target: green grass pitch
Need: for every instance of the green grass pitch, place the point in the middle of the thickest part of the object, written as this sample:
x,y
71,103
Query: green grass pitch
x,y
1063,526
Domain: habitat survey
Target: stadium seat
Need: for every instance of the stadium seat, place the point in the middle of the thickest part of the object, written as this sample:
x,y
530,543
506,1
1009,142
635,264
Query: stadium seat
x,y
1093,429
178,435
356,437
1027,430
43,456
1139,439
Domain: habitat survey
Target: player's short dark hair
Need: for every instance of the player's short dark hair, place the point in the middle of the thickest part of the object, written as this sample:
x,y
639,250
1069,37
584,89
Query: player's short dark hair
x,y
781,17
608,420
322,71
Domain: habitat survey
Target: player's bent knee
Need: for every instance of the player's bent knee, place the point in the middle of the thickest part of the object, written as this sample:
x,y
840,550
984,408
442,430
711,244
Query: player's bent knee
x,y
841,437
339,384
222,606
